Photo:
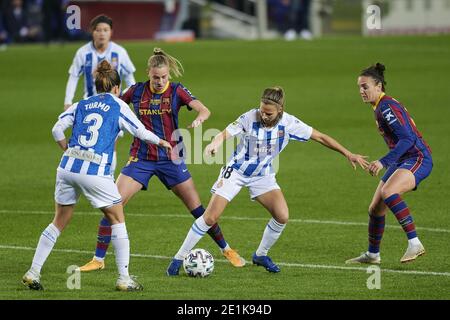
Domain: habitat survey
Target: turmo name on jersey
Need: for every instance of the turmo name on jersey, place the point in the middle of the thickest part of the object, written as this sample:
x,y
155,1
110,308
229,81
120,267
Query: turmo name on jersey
x,y
98,105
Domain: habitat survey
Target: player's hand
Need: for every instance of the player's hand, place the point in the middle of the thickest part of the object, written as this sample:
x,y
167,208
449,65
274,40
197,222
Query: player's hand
x,y
358,159
211,149
375,168
165,144
66,106
195,123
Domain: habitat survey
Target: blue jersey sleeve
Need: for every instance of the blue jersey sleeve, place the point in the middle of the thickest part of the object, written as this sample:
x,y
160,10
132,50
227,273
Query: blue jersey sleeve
x,y
395,121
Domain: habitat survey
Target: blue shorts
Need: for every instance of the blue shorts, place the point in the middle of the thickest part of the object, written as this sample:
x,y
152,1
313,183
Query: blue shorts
x,y
419,166
169,173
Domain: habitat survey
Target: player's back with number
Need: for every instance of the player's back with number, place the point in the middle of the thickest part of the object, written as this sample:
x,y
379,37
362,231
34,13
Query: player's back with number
x,y
95,129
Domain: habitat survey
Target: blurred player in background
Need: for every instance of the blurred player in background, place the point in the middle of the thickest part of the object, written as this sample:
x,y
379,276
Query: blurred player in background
x,y
265,132
88,56
85,166
157,104
407,163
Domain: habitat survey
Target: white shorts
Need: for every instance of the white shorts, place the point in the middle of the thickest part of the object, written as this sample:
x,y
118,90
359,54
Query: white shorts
x,y
100,191
230,182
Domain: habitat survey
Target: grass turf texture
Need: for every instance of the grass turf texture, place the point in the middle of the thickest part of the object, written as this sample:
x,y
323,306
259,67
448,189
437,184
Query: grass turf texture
x,y
320,187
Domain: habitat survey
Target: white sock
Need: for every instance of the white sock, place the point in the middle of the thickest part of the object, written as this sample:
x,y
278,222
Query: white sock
x,y
373,255
197,231
414,241
270,236
46,242
121,244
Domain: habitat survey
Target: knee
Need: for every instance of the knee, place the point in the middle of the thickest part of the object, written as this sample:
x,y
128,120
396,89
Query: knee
x,y
376,211
283,218
210,220
373,210
386,192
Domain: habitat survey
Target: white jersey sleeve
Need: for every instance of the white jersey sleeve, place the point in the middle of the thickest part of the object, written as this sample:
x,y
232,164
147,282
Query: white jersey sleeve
x,y
128,69
65,121
77,67
298,130
241,124
129,122
75,71
71,87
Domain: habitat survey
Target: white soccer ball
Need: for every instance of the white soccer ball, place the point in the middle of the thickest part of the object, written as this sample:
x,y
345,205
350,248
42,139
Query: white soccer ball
x,y
198,263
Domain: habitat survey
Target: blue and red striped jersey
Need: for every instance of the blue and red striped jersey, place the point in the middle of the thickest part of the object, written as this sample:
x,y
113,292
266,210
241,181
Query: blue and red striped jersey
x,y
158,111
399,132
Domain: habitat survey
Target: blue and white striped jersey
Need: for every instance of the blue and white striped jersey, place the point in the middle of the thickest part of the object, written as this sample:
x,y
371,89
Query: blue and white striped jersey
x,y
86,60
259,145
96,122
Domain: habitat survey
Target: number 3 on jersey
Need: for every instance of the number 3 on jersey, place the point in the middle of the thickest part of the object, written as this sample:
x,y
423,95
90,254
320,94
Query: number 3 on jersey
x,y
91,138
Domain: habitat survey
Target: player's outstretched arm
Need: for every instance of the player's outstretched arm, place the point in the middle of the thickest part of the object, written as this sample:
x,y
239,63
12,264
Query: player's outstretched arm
x,y
331,143
211,148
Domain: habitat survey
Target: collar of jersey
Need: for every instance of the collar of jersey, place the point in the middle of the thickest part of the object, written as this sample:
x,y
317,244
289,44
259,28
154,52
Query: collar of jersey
x,y
104,53
378,101
158,92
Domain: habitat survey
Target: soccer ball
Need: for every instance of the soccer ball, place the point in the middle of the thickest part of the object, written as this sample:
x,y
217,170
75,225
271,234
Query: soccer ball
x,y
198,263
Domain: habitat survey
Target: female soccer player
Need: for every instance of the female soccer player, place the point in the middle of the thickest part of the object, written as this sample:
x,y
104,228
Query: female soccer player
x,y
157,103
85,166
265,132
407,163
88,56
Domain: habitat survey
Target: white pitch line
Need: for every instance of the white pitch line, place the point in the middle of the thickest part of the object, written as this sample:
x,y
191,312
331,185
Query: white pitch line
x,y
312,221
298,265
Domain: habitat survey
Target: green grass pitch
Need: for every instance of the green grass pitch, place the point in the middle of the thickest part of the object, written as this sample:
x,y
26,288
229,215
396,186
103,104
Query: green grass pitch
x,y
328,200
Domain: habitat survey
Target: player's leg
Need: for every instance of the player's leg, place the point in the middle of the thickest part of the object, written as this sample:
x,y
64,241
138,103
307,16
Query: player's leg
x,y
377,213
275,203
103,194
179,180
402,181
188,194
63,214
121,244
128,186
66,195
199,228
224,190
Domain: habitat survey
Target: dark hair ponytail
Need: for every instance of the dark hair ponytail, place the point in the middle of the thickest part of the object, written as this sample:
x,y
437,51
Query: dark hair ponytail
x,y
106,77
376,72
